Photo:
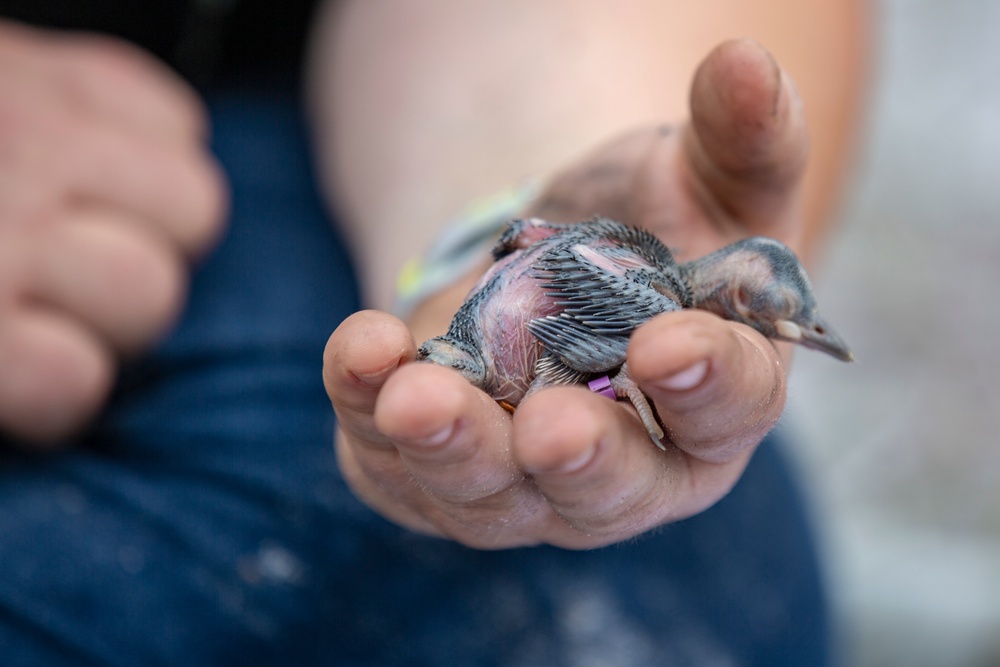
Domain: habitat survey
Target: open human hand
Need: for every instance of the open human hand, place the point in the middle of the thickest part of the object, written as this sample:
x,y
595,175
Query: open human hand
x,y
426,449
106,191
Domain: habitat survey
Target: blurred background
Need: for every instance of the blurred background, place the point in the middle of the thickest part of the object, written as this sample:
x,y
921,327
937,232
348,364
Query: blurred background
x,y
902,448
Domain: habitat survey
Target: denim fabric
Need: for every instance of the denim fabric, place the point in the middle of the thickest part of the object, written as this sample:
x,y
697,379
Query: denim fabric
x,y
202,521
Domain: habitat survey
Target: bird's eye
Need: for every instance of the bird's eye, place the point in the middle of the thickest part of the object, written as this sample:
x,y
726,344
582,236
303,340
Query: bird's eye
x,y
783,303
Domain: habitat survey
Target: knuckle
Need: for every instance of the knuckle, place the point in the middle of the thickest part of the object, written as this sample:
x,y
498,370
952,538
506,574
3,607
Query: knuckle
x,y
101,63
106,57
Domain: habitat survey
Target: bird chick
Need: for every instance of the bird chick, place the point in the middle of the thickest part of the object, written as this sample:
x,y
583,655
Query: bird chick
x,y
560,303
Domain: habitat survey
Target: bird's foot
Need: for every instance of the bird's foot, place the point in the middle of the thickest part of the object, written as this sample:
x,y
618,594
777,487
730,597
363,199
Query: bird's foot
x,y
626,387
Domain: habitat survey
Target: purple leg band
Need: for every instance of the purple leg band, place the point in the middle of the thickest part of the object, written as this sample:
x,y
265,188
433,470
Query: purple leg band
x,y
602,386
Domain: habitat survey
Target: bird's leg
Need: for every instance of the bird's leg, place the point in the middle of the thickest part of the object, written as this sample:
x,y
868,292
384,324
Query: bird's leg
x,y
625,387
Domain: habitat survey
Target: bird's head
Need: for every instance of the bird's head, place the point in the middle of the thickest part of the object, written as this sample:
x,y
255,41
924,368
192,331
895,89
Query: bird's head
x,y
761,283
456,354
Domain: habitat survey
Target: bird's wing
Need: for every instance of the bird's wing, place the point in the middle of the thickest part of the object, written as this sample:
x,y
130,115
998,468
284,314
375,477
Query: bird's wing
x,y
599,310
577,346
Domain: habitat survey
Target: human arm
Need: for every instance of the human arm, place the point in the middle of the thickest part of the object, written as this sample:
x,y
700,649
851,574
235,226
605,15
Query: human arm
x,y
426,111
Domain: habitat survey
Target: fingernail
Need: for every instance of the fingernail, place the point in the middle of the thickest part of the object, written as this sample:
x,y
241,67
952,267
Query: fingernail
x,y
375,378
575,463
437,438
687,379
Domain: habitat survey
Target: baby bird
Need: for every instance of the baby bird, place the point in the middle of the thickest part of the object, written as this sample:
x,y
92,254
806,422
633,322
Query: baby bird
x,y
560,303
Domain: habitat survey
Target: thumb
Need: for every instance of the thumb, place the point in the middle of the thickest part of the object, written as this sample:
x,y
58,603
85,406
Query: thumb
x,y
747,142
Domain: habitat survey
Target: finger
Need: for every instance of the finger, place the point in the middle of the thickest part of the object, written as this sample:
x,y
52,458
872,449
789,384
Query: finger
x,y
51,160
177,193
719,387
129,88
451,437
460,484
359,357
379,479
56,375
181,192
107,79
747,141
109,273
593,461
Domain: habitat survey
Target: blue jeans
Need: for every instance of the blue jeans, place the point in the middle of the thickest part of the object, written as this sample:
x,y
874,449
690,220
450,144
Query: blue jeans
x,y
202,520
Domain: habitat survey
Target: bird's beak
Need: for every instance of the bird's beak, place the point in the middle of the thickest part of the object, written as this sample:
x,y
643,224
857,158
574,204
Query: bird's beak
x,y
817,335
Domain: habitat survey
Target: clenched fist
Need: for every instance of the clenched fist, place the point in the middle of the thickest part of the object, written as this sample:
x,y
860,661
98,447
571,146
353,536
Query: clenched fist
x,y
107,192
